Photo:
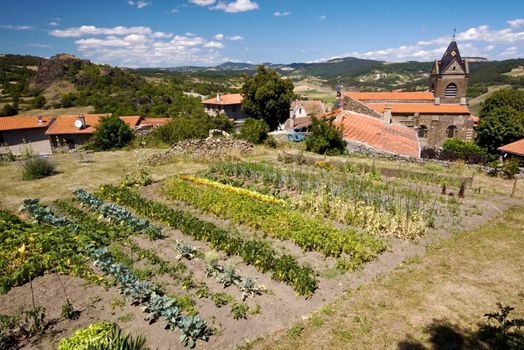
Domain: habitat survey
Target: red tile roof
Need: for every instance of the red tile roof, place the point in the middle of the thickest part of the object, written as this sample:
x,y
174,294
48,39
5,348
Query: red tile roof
x,y
155,121
18,123
390,138
65,124
228,99
427,108
390,96
516,147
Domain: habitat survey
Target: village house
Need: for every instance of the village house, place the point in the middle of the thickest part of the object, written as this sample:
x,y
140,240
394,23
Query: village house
x,y
513,150
228,104
18,133
72,131
302,112
436,115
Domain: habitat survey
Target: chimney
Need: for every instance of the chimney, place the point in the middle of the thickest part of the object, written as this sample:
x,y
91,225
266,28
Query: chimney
x,y
437,101
463,101
387,115
218,96
40,121
80,122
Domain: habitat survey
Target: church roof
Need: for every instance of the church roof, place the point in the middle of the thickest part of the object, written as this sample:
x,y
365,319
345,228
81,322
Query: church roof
x,y
391,96
452,53
422,108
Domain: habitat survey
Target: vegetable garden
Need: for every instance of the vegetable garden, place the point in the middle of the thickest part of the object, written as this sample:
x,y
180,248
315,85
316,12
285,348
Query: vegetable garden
x,y
221,255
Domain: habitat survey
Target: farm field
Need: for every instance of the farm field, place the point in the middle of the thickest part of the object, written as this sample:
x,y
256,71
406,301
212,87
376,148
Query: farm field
x,y
227,252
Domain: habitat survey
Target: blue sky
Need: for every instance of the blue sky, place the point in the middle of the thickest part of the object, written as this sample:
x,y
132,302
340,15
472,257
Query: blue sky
x,y
164,33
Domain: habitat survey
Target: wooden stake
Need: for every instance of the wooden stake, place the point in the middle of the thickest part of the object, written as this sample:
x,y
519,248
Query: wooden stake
x,y
514,188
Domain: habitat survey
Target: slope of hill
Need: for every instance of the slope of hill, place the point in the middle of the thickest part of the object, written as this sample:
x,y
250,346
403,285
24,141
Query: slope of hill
x,y
63,81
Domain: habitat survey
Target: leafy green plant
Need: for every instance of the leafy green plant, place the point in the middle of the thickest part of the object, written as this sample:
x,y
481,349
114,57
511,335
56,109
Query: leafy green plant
x,y
96,333
118,341
35,168
69,312
185,249
239,311
501,331
24,323
221,299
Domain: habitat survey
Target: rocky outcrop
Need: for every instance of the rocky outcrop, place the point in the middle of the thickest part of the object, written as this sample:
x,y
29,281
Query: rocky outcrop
x,y
55,68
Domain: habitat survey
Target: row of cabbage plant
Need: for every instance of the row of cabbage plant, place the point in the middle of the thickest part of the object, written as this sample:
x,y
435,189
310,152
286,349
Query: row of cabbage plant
x,y
155,304
118,214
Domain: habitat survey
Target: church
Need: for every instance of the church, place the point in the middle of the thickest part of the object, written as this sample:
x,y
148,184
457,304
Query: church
x,y
435,115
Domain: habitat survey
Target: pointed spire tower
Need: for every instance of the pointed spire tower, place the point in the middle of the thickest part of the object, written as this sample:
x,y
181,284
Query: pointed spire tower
x,y
449,76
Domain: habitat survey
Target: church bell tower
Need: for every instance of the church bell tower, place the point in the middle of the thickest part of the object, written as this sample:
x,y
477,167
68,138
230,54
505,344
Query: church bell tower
x,y
449,76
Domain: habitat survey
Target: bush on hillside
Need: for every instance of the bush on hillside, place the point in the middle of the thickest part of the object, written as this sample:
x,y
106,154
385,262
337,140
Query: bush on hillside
x,y
9,110
455,148
36,168
325,138
191,127
111,133
254,131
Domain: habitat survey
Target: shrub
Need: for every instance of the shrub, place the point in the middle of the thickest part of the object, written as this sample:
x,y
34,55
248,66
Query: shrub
x,y
36,168
510,168
470,152
254,131
9,110
325,138
111,133
191,127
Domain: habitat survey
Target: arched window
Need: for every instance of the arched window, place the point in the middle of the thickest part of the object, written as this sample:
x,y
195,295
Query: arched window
x,y
422,132
452,131
451,90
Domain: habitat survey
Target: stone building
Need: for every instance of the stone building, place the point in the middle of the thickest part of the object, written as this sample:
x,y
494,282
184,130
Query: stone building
x,y
228,104
436,115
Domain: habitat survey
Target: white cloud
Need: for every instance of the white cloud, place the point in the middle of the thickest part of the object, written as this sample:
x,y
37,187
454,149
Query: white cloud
x,y
141,46
322,18
214,44
516,23
160,35
499,42
139,4
510,52
53,24
281,14
39,45
175,11
219,37
236,6
15,27
202,2
92,30
235,38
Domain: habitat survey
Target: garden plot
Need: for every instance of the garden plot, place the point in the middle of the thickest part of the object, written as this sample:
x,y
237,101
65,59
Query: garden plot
x,y
233,253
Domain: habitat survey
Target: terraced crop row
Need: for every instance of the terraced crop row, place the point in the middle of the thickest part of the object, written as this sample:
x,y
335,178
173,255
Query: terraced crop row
x,y
310,233
258,253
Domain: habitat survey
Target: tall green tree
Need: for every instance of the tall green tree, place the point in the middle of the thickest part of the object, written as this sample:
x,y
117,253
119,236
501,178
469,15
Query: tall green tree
x,y
501,119
267,96
111,133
